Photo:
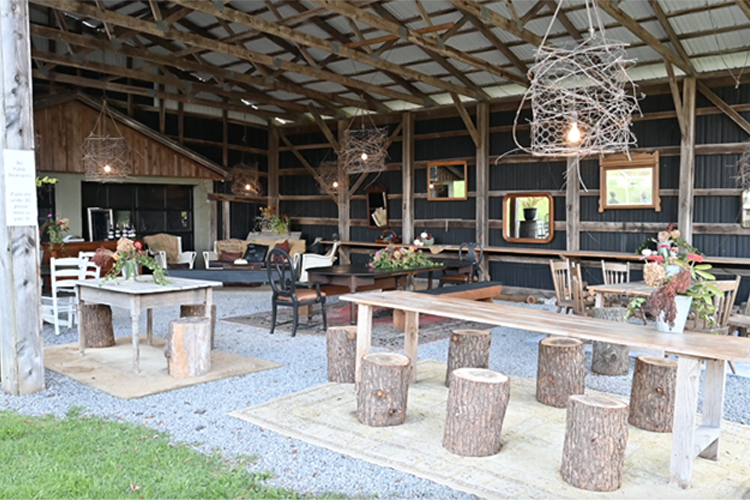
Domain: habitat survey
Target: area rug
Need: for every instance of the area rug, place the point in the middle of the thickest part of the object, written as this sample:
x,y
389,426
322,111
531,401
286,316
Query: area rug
x,y
528,464
110,369
431,328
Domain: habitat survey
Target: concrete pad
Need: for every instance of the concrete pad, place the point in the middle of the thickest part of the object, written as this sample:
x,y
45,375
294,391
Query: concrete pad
x,y
110,369
528,464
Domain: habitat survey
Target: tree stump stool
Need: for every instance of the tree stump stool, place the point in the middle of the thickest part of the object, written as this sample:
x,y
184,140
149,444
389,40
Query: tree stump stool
x,y
477,401
653,394
468,349
341,350
596,434
561,370
383,389
197,310
606,358
188,349
96,325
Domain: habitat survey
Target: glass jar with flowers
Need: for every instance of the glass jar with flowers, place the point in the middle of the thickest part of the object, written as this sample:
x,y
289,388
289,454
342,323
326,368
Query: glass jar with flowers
x,y
128,258
55,229
270,218
392,258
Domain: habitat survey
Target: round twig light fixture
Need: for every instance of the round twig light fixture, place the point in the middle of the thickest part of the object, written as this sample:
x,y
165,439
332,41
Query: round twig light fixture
x,y
329,181
246,180
106,158
743,169
363,149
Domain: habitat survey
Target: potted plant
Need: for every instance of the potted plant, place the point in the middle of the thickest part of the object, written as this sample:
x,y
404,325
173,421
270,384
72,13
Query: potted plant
x,y
271,219
529,207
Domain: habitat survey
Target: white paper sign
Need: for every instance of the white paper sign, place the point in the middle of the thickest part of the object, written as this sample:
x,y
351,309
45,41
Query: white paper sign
x,y
20,188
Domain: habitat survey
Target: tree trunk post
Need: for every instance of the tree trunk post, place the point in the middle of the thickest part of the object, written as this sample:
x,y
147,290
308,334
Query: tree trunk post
x,y
96,323
606,358
198,310
341,350
561,370
383,389
653,394
468,349
188,349
477,401
595,438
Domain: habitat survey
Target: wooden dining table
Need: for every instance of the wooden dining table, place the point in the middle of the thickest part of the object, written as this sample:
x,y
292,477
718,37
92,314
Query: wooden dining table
x,y
633,288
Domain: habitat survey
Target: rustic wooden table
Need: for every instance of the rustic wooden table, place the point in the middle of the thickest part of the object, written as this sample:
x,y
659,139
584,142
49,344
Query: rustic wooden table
x,y
635,288
688,442
142,293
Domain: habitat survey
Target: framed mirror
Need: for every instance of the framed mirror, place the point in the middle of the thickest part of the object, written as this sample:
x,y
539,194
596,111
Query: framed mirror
x,y
528,218
446,180
629,182
100,223
377,207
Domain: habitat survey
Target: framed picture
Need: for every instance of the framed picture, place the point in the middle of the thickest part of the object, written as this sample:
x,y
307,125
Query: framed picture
x,y
629,182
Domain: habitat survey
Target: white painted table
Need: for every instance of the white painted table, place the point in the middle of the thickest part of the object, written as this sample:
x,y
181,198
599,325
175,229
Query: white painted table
x,y
140,294
691,349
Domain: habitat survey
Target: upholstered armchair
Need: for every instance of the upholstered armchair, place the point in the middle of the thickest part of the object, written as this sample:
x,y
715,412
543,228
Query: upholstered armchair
x,y
166,250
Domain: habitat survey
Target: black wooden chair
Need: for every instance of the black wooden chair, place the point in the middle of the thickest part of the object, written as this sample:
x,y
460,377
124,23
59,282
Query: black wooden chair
x,y
467,252
287,292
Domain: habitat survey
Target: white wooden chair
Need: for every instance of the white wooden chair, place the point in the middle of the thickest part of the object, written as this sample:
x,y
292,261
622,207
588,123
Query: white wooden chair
x,y
305,261
91,270
63,276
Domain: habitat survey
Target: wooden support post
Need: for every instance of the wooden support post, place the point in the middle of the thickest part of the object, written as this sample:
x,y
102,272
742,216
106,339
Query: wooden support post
x,y
687,162
572,206
180,121
483,182
273,166
407,179
213,224
343,194
225,138
21,342
162,112
226,222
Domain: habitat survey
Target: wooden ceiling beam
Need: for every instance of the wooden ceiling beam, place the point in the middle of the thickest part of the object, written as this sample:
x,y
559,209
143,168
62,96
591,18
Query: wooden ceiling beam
x,y
454,29
745,6
452,70
268,27
532,12
388,38
495,19
677,99
563,18
467,120
150,56
723,106
217,46
635,27
667,26
499,45
423,13
308,167
398,29
324,128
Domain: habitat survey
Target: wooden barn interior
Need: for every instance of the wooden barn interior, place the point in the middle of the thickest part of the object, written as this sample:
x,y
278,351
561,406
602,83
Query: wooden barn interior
x,y
201,87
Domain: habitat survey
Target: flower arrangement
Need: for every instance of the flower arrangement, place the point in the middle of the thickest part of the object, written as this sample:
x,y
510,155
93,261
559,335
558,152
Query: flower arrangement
x,y
393,257
55,228
128,257
270,217
424,240
676,268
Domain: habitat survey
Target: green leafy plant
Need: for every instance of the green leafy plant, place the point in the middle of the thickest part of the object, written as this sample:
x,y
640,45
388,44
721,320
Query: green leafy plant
x,y
392,257
128,257
55,228
531,201
271,218
46,180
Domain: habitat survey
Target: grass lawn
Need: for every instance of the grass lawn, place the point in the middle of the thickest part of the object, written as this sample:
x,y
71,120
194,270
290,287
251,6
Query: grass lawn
x,y
88,457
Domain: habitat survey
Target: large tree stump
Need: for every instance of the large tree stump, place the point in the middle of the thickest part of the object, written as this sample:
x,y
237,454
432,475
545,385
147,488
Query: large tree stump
x,y
96,325
188,348
477,401
341,350
561,370
468,349
595,438
197,310
606,358
383,389
653,394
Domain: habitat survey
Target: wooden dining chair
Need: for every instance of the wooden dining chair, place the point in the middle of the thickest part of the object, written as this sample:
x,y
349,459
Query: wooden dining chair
x,y
615,273
722,311
467,252
562,283
582,304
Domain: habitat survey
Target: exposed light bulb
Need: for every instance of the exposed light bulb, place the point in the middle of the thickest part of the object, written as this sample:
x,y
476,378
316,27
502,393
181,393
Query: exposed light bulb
x,y
432,186
247,187
107,168
574,134
335,184
364,156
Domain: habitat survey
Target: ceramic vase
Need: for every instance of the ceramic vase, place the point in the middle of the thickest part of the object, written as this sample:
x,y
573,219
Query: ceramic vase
x,y
683,303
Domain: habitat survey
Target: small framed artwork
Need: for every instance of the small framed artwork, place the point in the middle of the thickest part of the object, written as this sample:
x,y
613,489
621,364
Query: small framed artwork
x,y
629,182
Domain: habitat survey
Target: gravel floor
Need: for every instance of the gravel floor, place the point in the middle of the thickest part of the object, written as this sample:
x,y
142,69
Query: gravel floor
x,y
199,414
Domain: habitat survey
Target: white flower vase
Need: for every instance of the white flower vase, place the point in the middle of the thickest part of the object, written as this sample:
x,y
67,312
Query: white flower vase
x,y
671,270
683,303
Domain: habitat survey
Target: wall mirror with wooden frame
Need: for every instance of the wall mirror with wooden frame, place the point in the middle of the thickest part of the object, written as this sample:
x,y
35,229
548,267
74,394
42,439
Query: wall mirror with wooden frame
x,y
629,182
377,207
528,218
447,180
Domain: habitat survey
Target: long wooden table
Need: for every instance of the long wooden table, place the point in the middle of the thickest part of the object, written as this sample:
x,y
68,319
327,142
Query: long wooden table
x,y
691,350
139,294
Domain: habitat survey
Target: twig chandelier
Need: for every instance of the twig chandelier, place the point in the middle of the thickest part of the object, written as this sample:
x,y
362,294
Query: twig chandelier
x,y
106,158
246,179
743,169
579,101
328,177
363,149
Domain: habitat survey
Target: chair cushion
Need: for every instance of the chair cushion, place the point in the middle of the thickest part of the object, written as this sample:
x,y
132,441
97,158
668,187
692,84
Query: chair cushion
x,y
183,265
229,256
255,253
304,294
284,245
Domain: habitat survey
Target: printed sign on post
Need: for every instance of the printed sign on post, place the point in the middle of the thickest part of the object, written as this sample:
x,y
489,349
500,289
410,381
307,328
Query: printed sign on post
x,y
20,187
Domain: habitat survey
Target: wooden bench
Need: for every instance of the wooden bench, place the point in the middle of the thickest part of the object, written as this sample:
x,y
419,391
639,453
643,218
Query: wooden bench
x,y
480,290
691,350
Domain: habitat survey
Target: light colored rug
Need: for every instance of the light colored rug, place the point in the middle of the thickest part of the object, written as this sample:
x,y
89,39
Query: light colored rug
x,y
110,369
528,464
